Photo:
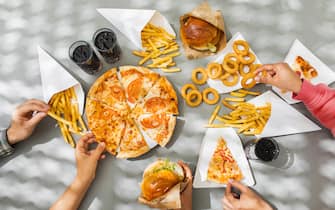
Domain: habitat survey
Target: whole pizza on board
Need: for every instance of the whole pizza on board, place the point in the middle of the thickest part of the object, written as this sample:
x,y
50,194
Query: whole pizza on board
x,y
126,108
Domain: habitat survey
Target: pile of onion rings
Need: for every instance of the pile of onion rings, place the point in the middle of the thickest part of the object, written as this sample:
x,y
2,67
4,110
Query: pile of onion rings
x,y
236,64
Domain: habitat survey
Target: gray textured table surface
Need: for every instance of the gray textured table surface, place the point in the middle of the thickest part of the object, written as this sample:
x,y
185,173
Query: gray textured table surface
x,y
43,166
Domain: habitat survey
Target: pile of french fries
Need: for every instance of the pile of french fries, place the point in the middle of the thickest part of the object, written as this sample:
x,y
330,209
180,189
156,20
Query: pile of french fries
x,y
246,117
160,47
64,109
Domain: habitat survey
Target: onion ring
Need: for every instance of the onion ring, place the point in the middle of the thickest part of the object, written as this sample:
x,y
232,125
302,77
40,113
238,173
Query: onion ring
x,y
230,66
251,59
215,93
242,43
241,69
185,88
203,78
214,70
246,78
193,98
231,56
227,82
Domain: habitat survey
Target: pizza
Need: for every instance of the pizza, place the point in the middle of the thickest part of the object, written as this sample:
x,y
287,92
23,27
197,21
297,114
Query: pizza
x,y
121,111
304,68
158,127
108,90
160,99
132,143
107,125
222,165
137,81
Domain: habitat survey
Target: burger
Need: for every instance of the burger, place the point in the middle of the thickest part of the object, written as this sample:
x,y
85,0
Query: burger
x,y
158,179
199,34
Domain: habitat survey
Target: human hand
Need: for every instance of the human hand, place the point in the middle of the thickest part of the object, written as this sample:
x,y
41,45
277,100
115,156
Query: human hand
x,y
279,75
24,120
186,195
87,160
248,200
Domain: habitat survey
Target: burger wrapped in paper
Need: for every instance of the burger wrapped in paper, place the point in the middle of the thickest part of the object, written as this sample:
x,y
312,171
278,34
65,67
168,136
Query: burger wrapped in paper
x,y
162,183
202,32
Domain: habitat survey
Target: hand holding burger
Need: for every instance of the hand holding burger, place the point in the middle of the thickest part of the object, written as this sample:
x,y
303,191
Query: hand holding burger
x,y
162,183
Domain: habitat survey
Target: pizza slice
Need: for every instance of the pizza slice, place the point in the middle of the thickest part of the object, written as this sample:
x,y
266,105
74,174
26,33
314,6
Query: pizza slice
x,y
158,127
132,143
105,123
137,81
108,90
161,98
304,68
222,165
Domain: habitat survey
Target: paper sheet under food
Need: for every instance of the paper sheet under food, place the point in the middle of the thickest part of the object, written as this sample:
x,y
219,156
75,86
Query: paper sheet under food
x,y
131,22
217,84
325,74
207,150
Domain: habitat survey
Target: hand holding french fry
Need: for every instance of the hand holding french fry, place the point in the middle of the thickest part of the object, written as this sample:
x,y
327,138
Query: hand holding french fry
x,y
281,76
25,119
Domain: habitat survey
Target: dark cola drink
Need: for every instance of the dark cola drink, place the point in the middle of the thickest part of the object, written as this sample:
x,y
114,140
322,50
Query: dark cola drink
x,y
84,56
105,42
265,149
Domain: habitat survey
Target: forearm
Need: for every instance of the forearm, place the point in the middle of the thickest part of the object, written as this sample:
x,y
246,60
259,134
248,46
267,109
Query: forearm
x,y
73,195
320,100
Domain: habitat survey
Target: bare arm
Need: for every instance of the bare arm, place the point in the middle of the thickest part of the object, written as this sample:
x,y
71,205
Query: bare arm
x,y
86,166
73,195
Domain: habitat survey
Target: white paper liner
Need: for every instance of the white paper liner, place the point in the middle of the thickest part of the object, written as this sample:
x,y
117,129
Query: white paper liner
x,y
56,78
130,22
325,74
284,119
207,150
217,84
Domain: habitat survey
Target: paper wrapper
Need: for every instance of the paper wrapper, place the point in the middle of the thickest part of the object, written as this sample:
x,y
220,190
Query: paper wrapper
x,y
217,84
204,12
207,150
130,22
284,119
325,74
56,78
171,200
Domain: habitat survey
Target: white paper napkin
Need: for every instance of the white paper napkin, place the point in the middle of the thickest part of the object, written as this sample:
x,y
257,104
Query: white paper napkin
x,y
325,74
130,22
284,119
207,149
56,78
217,84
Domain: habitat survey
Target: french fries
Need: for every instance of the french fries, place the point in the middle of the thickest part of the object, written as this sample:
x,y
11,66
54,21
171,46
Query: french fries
x,y
214,114
64,109
249,92
246,117
160,47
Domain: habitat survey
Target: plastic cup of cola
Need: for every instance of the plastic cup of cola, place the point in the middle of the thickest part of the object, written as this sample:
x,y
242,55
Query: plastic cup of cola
x,y
84,56
265,149
105,42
